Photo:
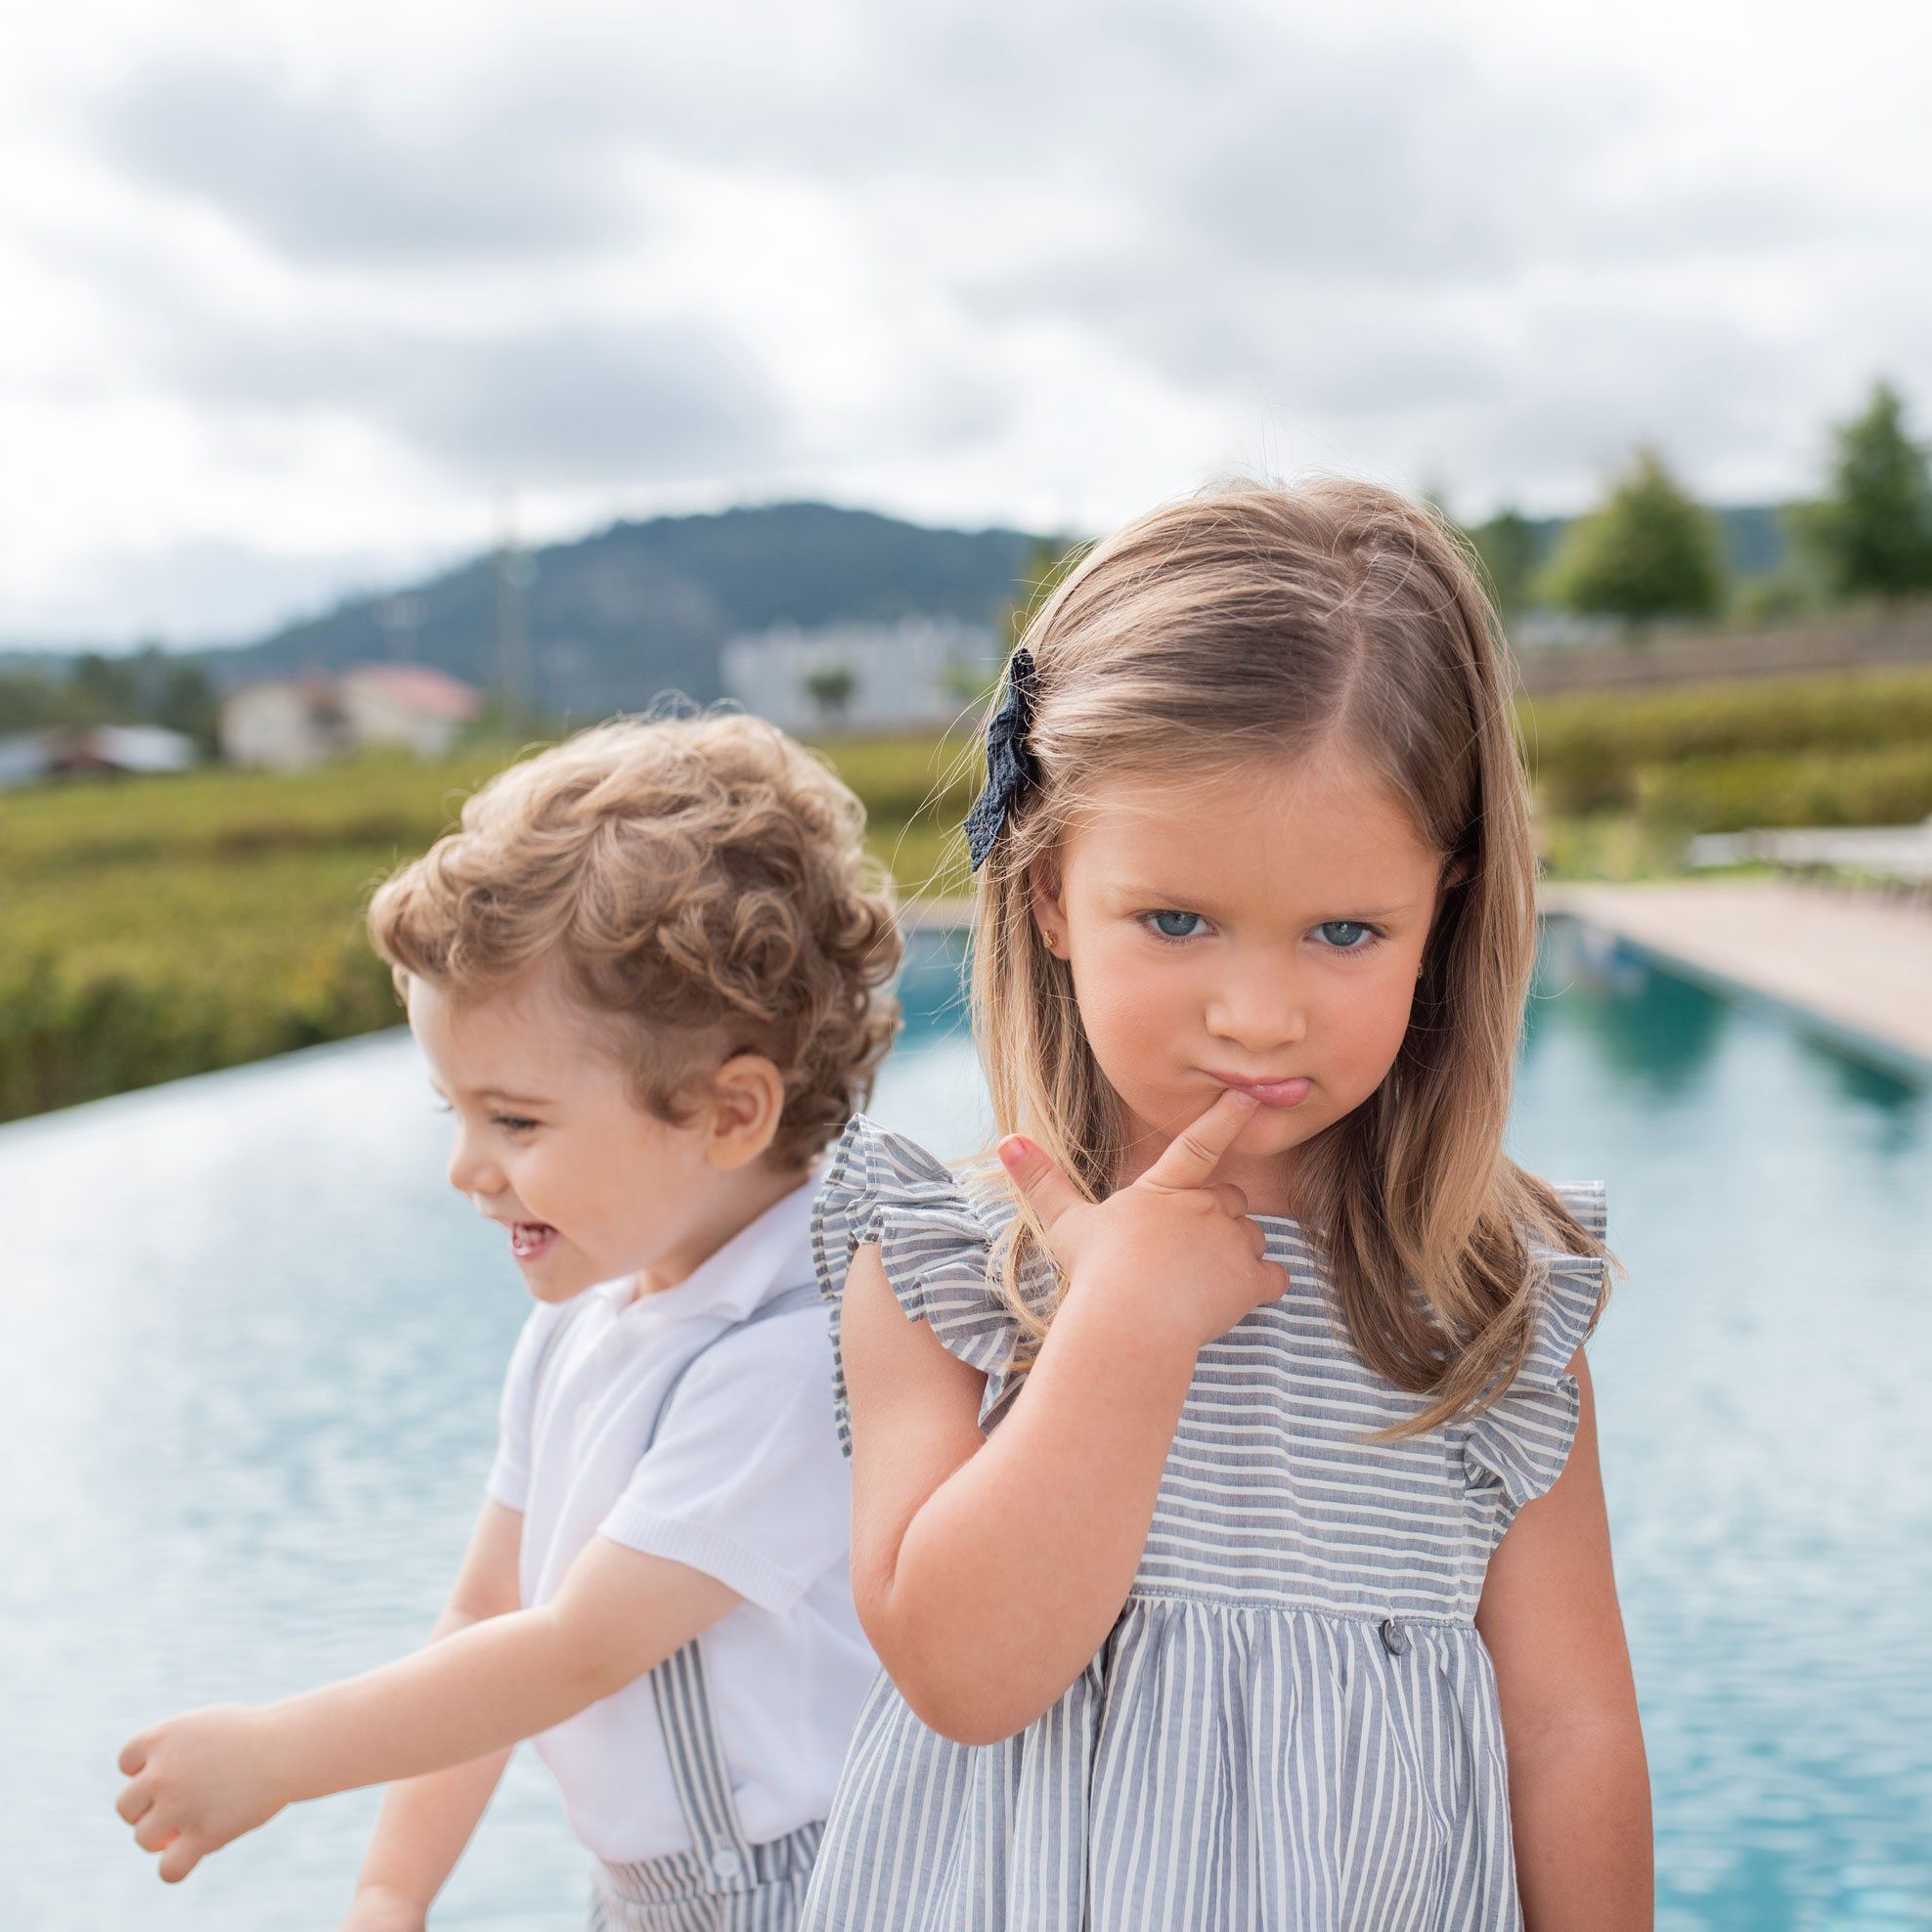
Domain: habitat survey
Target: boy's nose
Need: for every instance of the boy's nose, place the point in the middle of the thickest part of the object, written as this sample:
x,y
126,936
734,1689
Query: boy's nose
x,y
470,1174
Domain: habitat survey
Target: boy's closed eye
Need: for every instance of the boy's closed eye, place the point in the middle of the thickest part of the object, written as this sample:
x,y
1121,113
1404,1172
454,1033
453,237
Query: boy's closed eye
x,y
515,1124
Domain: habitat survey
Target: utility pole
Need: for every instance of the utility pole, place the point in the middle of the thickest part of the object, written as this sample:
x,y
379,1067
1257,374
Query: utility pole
x,y
514,575
401,617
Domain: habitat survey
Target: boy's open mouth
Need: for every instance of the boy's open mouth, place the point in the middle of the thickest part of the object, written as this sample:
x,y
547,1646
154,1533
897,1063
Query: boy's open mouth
x,y
529,1238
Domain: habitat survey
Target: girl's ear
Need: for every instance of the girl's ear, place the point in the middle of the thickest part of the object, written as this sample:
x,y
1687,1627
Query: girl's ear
x,y
1043,897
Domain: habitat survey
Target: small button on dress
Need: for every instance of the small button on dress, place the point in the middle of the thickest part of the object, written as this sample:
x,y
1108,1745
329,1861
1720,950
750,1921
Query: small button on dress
x,y
1240,1754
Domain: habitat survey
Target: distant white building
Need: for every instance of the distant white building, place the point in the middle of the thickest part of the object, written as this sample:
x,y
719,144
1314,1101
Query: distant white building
x,y
144,749
31,757
408,705
288,722
921,671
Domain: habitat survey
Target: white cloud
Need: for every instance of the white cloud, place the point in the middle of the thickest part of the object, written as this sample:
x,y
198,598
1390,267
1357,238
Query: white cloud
x,y
297,294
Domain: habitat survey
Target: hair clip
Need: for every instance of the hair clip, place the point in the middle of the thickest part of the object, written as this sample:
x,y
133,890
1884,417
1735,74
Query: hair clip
x,y
1010,765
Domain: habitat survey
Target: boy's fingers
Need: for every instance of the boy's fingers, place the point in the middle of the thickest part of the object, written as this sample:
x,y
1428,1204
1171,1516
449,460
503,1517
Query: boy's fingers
x,y
153,1833
1196,1151
179,1859
133,1755
134,1803
1045,1187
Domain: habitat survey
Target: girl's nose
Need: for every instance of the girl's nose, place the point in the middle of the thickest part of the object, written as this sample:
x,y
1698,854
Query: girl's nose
x,y
1259,1009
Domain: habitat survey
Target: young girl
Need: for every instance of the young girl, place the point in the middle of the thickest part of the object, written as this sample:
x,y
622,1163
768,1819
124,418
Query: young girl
x,y
1226,1511
649,979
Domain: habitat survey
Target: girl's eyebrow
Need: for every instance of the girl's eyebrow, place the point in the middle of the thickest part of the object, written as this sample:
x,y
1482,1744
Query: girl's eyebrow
x,y
1191,901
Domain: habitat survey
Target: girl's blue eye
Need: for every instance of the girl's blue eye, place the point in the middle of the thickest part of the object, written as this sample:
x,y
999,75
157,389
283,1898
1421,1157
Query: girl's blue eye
x,y
1344,934
1157,917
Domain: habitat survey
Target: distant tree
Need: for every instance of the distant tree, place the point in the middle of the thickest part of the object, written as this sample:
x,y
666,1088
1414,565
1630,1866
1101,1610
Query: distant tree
x,y
102,690
830,688
187,703
1508,546
1648,551
28,701
966,679
1872,535
1046,562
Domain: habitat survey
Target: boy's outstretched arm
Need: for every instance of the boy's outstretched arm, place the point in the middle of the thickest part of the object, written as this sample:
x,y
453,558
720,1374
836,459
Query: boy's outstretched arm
x,y
198,1780
426,1822
1579,1788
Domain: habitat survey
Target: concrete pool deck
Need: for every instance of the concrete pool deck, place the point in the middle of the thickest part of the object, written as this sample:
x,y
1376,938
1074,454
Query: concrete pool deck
x,y
1856,969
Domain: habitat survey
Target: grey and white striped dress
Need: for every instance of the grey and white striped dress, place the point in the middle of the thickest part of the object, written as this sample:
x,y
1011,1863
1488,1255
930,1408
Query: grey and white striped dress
x,y
1293,1722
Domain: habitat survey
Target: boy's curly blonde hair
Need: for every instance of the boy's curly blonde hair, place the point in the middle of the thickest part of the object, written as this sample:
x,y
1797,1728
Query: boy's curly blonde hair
x,y
699,885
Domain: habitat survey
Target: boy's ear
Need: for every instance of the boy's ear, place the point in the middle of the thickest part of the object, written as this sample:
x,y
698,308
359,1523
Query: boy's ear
x,y
745,1104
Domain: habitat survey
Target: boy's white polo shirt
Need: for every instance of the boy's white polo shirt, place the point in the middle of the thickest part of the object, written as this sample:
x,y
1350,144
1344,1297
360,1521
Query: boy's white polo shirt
x,y
744,1481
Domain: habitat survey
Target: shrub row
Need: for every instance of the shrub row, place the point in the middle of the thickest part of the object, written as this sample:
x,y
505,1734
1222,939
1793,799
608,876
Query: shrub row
x,y
157,928
1892,786
1592,753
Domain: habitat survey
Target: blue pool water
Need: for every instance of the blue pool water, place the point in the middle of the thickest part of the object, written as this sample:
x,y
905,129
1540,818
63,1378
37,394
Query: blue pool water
x,y
251,1343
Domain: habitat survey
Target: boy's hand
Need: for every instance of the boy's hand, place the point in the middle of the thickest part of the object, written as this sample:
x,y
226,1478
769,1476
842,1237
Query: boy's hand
x,y
1182,1240
377,1910
197,1781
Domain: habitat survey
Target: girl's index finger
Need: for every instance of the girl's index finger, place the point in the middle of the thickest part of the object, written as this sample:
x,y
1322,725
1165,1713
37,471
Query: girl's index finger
x,y
1196,1151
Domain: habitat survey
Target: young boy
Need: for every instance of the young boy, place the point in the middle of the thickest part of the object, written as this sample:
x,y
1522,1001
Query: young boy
x,y
648,977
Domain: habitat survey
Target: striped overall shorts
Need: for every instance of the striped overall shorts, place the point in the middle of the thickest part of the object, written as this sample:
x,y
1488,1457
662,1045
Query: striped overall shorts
x,y
724,1883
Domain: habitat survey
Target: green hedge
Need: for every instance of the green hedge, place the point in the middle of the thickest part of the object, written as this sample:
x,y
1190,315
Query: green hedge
x,y
1892,786
1592,753
155,928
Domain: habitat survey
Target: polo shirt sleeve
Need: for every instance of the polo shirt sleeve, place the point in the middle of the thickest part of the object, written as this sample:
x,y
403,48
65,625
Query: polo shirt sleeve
x,y
745,1480
509,1481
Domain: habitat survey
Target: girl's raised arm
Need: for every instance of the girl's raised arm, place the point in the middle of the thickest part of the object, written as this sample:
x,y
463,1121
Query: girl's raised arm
x,y
988,1571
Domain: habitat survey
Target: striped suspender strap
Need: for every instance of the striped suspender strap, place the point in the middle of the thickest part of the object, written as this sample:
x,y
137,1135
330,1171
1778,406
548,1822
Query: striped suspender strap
x,y
699,1771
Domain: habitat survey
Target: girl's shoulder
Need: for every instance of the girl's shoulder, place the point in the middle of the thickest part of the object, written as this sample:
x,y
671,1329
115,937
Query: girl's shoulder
x,y
1521,1442
935,1231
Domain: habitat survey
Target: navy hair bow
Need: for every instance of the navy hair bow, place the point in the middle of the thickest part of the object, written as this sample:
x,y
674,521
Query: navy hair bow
x,y
1010,765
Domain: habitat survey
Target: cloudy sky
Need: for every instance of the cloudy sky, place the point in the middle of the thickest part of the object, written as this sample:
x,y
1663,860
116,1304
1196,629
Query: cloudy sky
x,y
299,297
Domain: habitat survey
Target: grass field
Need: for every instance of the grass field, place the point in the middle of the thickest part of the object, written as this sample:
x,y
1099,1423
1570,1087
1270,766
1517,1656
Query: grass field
x,y
153,928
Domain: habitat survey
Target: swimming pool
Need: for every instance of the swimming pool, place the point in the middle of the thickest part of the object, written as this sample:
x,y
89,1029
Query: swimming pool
x,y
251,1343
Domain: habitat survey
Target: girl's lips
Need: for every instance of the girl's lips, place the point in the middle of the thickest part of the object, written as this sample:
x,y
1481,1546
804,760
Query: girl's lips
x,y
529,1238
1274,1093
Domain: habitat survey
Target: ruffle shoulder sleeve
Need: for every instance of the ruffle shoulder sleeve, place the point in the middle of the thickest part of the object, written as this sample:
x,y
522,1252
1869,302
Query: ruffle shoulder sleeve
x,y
1520,1443
933,1243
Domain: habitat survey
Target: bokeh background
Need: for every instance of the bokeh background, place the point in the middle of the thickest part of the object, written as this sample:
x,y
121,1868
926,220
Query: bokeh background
x,y
384,390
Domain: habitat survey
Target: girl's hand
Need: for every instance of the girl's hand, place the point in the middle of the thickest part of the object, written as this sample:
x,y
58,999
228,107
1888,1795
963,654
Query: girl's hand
x,y
197,1781
1175,1238
377,1910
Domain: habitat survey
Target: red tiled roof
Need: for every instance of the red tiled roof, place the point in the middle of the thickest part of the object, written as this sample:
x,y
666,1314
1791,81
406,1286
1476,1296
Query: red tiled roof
x,y
432,693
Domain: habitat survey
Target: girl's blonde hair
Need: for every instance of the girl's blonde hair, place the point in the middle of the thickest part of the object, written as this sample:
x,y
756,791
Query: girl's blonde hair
x,y
700,884
1252,625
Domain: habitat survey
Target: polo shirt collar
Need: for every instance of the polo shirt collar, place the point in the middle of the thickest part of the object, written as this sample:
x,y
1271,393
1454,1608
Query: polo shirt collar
x,y
766,1256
